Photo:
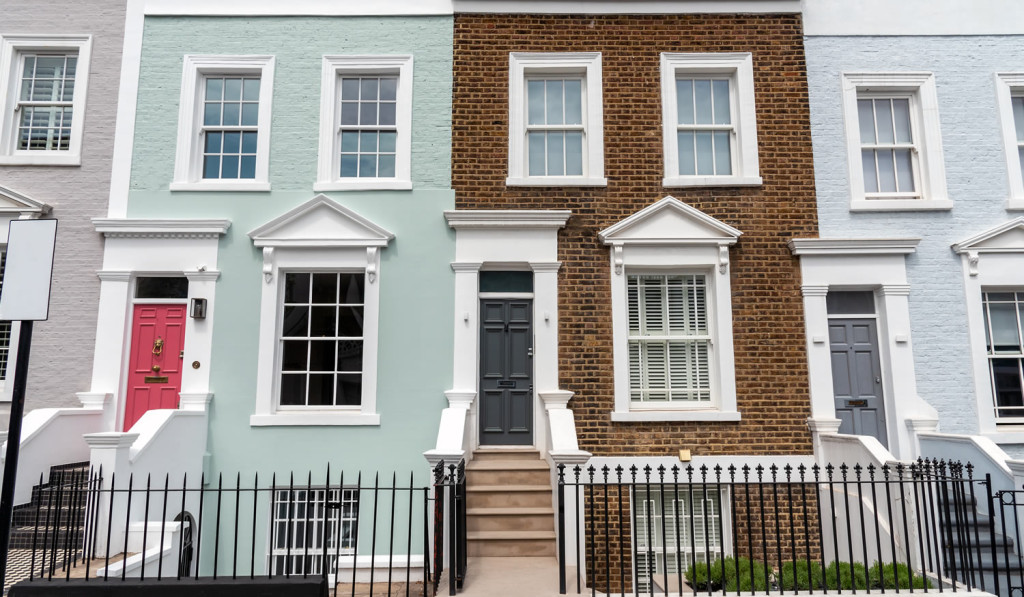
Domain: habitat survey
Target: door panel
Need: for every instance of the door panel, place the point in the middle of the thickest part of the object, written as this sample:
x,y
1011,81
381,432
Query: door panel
x,y
857,378
506,372
154,375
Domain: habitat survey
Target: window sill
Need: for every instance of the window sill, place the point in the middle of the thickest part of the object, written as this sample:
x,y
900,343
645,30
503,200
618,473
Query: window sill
x,y
221,186
1013,434
41,159
556,181
867,205
712,181
292,418
369,184
674,415
1015,203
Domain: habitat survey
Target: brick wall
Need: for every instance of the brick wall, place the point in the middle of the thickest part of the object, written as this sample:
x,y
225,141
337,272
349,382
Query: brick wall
x,y
771,370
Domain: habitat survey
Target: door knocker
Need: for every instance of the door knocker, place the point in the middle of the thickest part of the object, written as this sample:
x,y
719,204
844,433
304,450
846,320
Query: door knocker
x,y
158,346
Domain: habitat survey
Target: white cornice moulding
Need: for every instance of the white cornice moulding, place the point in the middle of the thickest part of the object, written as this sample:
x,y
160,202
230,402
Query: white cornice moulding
x,y
721,233
853,246
296,8
320,223
506,218
578,7
160,228
912,18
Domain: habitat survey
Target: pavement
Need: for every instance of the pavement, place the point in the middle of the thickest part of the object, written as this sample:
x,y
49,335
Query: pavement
x,y
502,577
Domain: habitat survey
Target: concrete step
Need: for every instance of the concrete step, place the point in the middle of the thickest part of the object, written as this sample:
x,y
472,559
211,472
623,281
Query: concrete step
x,y
491,454
508,496
526,472
510,519
511,543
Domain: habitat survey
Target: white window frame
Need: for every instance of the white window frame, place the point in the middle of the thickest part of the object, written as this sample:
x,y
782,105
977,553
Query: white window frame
x,y
634,252
328,175
585,64
12,48
1009,85
739,68
930,171
317,236
188,172
347,514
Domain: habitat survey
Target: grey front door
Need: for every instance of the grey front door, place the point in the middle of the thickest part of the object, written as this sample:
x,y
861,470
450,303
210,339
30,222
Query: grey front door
x,y
506,372
857,377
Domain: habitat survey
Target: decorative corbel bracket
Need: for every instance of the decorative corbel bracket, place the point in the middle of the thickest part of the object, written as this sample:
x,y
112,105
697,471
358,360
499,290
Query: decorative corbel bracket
x,y
371,264
723,259
617,258
268,264
972,263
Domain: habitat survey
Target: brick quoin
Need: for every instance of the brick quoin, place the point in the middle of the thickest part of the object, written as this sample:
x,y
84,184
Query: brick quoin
x,y
770,356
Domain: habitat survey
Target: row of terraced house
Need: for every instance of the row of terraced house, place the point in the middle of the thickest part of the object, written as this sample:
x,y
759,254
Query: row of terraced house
x,y
521,235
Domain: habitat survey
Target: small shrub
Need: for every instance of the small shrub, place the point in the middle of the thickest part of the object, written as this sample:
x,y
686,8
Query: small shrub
x,y
888,576
840,575
801,575
734,574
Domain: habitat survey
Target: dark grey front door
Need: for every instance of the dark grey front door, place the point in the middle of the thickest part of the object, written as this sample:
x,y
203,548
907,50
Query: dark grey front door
x,y
857,377
506,372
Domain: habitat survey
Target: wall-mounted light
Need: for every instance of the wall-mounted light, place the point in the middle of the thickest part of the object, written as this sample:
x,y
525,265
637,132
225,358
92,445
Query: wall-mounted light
x,y
198,310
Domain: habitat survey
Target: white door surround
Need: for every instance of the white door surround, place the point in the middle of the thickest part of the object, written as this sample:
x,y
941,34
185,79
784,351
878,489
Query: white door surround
x,y
506,240
878,265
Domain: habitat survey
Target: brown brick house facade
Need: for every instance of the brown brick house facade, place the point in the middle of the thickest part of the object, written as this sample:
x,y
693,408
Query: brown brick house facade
x,y
770,358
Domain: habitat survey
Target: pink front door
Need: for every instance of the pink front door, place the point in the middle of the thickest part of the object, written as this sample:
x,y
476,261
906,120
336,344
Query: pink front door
x,y
154,369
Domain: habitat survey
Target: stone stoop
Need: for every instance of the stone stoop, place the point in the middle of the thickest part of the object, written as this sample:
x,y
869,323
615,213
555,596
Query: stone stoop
x,y
508,504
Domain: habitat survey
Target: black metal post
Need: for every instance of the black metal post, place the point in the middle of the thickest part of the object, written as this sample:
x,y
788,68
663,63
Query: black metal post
x,y
13,445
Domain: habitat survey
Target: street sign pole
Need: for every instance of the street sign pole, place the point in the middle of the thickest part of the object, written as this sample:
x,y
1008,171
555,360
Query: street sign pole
x,y
25,298
13,445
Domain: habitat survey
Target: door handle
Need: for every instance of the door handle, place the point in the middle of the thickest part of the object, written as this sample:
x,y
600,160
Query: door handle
x,y
878,380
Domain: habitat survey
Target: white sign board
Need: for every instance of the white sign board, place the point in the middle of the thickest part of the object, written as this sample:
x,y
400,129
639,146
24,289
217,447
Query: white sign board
x,y
26,284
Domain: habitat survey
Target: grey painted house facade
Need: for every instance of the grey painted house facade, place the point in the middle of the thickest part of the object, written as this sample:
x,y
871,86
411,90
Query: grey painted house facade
x,y
61,66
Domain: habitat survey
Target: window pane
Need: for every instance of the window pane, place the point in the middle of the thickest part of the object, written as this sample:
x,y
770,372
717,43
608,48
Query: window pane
x,y
1018,117
351,289
250,114
232,142
251,90
349,113
388,88
325,288
387,142
322,321
350,142
723,157
702,98
350,355
368,142
535,102
295,322
211,114
296,288
213,142
883,121
162,287
574,154
368,88
705,160
232,114
349,88
687,158
720,89
350,389
1003,319
1006,382
904,170
886,171
249,142
537,153
248,167
232,90
367,113
214,89
684,101
867,157
229,166
387,114
293,389
294,357
901,117
556,154
386,166
350,321
321,390
574,101
349,166
321,355
367,166
553,103
211,166
866,116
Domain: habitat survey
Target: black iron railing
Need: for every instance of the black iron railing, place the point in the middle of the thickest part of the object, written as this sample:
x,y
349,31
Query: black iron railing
x,y
356,533
926,526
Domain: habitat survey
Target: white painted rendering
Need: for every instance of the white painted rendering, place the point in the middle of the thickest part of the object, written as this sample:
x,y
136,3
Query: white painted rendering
x,y
991,260
319,235
740,69
523,64
493,239
929,170
152,247
11,46
188,159
330,113
913,17
672,236
863,264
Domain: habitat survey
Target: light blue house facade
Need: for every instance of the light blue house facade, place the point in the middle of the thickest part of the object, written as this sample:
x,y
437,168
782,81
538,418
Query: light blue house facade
x,y
913,292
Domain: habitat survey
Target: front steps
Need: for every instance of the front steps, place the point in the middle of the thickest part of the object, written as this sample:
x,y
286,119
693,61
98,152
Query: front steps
x,y
508,504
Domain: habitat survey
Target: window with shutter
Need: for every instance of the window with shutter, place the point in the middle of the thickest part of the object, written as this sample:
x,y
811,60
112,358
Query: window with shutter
x,y
671,534
669,338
